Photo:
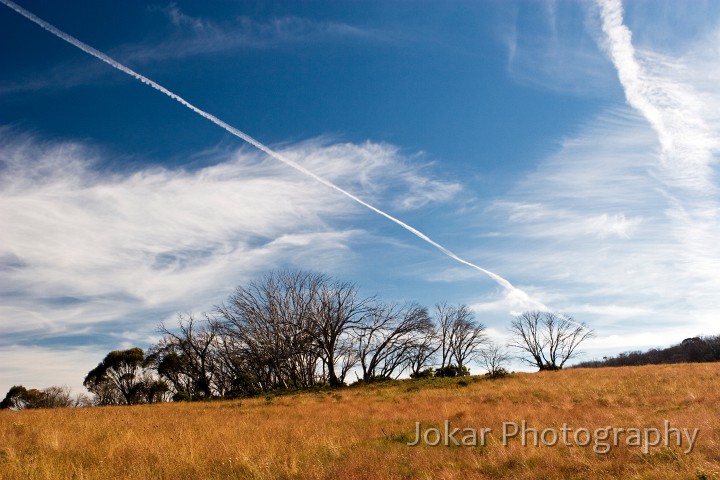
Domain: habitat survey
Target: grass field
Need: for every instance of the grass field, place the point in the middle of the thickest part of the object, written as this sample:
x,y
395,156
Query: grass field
x,y
362,432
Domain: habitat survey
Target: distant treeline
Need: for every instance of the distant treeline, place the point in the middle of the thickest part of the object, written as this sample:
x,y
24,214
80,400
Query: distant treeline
x,y
690,350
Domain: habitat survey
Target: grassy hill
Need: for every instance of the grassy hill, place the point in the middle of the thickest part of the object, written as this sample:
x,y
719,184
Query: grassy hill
x,y
362,432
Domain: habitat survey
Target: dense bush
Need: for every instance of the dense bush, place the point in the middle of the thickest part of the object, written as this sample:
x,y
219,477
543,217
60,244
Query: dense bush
x,y
427,373
452,371
498,373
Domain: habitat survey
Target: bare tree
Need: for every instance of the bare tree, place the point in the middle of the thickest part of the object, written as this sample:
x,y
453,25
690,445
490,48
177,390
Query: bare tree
x,y
272,328
467,336
339,310
459,336
105,393
83,400
186,357
422,351
57,396
386,339
494,358
547,340
444,317
232,377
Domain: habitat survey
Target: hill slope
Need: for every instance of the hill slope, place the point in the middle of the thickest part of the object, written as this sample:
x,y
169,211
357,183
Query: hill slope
x,y
362,432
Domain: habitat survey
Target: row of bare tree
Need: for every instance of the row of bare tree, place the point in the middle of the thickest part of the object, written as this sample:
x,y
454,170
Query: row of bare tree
x,y
294,329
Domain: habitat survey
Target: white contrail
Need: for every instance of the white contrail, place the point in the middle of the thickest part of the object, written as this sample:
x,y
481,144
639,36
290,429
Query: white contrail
x,y
513,292
669,106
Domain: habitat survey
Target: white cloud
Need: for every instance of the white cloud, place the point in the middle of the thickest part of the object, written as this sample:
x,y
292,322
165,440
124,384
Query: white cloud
x,y
199,36
79,247
189,37
658,87
594,230
616,311
512,302
88,255
567,222
41,367
555,52
411,179
66,75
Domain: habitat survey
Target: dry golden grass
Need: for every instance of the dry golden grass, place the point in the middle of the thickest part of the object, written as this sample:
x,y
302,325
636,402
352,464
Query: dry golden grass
x,y
362,432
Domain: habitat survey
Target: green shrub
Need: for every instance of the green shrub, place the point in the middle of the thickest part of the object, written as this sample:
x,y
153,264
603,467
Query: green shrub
x,y
427,373
497,373
452,371
181,396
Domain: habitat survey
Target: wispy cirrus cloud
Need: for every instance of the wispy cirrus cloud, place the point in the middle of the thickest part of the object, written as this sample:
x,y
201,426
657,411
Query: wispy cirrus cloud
x,y
92,260
60,366
678,95
619,226
594,233
80,247
559,54
413,180
654,84
189,36
68,75
196,35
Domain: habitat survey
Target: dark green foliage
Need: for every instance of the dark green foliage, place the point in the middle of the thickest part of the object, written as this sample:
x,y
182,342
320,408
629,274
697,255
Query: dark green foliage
x,y
498,373
244,385
121,379
427,373
15,399
181,396
549,367
191,359
171,364
154,391
452,371
176,370
19,398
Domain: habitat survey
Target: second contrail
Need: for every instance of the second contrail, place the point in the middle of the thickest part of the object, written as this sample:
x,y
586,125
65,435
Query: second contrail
x,y
518,294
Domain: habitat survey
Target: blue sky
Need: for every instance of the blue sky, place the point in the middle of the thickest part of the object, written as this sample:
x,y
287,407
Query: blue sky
x,y
570,147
